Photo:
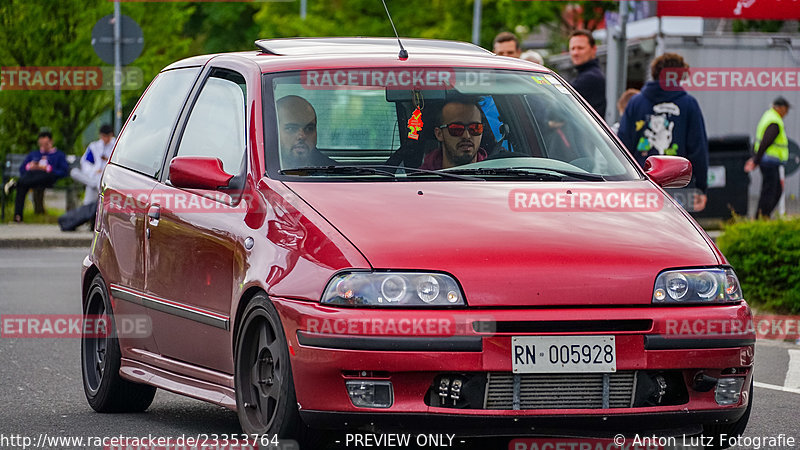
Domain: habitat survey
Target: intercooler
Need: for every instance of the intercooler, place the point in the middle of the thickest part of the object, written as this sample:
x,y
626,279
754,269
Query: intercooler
x,y
505,390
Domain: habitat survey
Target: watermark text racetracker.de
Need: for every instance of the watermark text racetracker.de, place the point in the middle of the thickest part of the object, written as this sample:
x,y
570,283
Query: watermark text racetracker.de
x,y
71,326
67,78
420,78
137,201
760,326
387,326
730,79
585,199
200,441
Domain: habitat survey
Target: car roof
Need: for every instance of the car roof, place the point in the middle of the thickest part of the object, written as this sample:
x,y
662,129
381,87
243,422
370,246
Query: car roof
x,y
359,45
277,55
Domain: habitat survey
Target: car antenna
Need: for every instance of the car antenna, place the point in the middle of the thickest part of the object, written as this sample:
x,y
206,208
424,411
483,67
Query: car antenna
x,y
403,53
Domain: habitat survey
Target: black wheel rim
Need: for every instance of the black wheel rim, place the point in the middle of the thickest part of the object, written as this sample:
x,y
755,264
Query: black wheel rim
x,y
94,348
260,372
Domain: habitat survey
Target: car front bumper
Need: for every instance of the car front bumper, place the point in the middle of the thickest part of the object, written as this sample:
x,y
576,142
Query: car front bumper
x,y
414,349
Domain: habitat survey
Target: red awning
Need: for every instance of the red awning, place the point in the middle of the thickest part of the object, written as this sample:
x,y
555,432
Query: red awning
x,y
735,9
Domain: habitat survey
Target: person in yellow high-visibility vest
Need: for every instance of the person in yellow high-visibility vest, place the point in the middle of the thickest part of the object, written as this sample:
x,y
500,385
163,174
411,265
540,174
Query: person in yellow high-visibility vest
x,y
771,150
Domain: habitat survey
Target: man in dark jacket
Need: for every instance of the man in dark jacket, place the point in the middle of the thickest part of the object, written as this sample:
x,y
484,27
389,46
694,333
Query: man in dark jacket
x,y
590,82
661,121
40,169
506,44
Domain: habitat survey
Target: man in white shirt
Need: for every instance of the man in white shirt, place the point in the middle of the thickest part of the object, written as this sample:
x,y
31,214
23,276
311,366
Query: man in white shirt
x,y
93,162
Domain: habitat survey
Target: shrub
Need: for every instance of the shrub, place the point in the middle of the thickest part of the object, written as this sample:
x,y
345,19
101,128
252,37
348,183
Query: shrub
x,y
766,258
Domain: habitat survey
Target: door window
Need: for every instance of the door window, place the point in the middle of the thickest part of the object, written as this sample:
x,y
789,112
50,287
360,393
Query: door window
x,y
216,125
144,141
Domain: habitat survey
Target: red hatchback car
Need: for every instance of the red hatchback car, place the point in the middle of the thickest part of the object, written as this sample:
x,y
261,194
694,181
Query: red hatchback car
x,y
326,233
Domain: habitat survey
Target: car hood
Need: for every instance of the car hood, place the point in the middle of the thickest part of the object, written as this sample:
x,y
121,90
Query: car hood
x,y
504,256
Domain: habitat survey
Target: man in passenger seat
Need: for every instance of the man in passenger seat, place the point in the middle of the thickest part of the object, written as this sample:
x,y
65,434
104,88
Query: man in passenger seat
x,y
459,134
297,129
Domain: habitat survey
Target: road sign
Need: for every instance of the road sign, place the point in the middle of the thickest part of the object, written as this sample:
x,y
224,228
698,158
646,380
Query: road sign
x,y
132,40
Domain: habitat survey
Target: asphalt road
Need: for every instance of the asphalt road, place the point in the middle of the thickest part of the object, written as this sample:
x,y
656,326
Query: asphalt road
x,y
41,390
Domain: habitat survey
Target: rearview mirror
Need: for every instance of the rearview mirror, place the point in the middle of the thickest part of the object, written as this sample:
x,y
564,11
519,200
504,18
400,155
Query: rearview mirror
x,y
198,172
669,171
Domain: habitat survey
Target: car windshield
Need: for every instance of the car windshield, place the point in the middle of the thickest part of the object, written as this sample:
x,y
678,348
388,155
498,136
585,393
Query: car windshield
x,y
434,123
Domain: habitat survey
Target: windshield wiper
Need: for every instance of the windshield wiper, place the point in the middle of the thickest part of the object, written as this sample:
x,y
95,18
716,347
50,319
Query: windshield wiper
x,y
588,176
443,174
372,169
507,172
346,170
540,173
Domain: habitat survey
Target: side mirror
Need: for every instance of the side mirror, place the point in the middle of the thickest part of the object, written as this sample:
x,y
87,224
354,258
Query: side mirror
x,y
198,172
669,171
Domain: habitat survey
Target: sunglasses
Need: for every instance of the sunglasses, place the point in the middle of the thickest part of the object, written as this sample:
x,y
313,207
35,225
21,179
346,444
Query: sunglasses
x,y
456,129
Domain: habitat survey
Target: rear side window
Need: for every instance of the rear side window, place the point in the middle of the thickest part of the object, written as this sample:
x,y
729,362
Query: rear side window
x,y
143,144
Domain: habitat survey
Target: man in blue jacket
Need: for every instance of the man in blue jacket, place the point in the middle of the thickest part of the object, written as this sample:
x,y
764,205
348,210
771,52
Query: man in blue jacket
x,y
40,169
665,120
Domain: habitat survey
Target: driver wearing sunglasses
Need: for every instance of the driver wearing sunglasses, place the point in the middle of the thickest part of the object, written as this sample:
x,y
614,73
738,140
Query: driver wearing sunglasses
x,y
459,135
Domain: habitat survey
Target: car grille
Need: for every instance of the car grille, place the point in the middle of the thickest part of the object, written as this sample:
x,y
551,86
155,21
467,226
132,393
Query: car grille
x,y
560,391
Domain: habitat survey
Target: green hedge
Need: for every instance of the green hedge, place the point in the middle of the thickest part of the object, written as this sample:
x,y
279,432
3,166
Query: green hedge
x,y
766,257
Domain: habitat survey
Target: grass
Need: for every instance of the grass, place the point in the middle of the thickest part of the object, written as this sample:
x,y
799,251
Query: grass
x,y
50,217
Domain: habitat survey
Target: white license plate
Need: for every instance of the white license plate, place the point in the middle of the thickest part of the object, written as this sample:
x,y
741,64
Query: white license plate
x,y
547,354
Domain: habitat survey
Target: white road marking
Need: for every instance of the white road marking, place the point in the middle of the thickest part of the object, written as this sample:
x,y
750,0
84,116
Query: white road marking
x,y
775,387
793,373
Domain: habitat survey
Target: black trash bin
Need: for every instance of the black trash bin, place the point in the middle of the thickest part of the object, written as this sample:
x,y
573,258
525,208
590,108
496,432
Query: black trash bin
x,y
728,183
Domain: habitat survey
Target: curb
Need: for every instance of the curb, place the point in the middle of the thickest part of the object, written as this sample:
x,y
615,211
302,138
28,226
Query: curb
x,y
42,236
78,241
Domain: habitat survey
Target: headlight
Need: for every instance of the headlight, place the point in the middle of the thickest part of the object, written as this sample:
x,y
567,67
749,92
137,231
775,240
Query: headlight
x,y
393,289
718,285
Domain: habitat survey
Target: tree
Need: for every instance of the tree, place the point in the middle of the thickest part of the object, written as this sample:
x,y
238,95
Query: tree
x,y
48,33
45,33
438,19
222,27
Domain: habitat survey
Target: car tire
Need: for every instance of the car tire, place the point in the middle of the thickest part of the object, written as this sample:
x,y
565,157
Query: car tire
x,y
106,391
265,396
733,429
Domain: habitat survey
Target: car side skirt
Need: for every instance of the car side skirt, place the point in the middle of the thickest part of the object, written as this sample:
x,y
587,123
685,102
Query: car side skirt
x,y
191,387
